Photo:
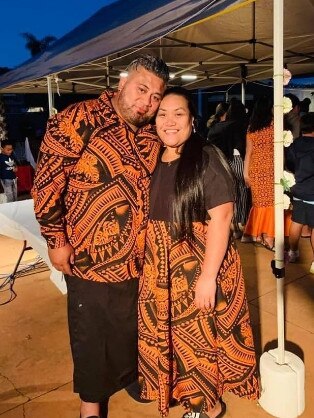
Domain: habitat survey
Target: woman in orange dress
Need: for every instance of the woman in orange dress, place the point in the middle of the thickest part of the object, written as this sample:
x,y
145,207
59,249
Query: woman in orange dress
x,y
195,337
259,174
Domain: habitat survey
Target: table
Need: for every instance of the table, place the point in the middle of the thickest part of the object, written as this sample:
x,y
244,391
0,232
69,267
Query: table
x,y
17,220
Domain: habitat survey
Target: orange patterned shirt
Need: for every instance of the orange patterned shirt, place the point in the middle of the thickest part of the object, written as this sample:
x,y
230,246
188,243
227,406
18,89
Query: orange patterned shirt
x,y
91,189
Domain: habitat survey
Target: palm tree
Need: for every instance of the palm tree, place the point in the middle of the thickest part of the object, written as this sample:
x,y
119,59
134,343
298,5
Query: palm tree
x,y
36,46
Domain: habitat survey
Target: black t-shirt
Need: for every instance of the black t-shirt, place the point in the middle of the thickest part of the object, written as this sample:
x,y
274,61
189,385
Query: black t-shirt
x,y
7,165
218,186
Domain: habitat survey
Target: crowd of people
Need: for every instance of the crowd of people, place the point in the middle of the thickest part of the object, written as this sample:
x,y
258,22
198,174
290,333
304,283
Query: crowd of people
x,y
255,170
140,212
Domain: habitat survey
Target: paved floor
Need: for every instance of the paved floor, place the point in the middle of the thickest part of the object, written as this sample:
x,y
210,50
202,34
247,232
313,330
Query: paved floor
x,y
35,362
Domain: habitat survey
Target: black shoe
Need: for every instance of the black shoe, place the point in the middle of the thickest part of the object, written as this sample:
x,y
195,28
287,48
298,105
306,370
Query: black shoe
x,y
203,415
134,391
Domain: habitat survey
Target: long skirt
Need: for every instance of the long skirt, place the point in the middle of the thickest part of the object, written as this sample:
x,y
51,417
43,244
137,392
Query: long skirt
x,y
185,353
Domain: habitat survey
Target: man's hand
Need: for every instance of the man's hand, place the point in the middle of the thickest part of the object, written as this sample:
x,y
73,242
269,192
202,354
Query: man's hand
x,y
62,258
205,292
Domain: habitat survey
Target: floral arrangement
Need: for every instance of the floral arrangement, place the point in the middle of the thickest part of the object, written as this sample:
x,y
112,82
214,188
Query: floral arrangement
x,y
287,182
287,104
287,138
288,179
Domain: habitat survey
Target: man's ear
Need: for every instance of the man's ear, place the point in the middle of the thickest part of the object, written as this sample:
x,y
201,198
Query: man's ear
x,y
122,83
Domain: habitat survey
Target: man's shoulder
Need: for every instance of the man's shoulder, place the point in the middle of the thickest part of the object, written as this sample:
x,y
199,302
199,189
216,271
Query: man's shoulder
x,y
90,104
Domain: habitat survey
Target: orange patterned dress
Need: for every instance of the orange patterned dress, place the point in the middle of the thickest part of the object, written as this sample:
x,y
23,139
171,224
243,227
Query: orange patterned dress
x,y
261,173
185,353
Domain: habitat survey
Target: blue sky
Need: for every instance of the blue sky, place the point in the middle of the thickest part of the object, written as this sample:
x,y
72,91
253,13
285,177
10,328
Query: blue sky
x,y
41,18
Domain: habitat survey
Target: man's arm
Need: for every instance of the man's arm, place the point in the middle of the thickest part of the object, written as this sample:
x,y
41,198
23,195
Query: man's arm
x,y
59,152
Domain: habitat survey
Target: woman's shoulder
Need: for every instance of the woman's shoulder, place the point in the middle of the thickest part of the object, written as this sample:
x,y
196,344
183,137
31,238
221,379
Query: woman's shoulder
x,y
212,152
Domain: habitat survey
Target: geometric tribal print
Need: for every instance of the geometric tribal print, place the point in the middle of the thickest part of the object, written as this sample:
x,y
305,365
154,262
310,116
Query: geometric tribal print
x,y
91,189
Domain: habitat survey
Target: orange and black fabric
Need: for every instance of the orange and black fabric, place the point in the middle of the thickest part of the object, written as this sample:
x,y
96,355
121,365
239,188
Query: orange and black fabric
x,y
91,189
185,353
261,218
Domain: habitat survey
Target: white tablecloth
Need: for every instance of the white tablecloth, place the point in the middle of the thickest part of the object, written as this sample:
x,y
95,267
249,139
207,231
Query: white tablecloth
x,y
17,220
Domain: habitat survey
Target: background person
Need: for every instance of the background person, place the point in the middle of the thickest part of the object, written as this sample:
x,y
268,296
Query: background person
x,y
91,200
195,337
259,173
8,170
300,160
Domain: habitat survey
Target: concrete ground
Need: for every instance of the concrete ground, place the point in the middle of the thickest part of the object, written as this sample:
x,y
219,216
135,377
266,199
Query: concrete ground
x,y
35,361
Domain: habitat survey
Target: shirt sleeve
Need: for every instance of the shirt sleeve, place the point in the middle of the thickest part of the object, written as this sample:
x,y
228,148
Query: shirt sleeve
x,y
218,180
59,152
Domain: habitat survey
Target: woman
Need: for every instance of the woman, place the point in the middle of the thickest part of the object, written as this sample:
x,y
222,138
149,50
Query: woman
x,y
195,338
229,136
237,115
259,174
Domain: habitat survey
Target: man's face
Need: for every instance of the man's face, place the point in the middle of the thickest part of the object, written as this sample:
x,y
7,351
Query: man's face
x,y
139,96
7,150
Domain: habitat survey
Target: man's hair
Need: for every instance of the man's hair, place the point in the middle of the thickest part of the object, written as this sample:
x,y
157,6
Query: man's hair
x,y
153,64
307,123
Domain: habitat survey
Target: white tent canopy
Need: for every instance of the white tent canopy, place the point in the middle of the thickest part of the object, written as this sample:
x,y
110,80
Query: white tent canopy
x,y
194,37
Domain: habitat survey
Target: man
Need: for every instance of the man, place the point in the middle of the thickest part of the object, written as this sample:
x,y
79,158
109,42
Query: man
x,y
91,200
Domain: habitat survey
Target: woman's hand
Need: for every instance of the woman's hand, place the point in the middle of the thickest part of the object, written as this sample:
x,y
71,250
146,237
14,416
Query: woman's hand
x,y
205,292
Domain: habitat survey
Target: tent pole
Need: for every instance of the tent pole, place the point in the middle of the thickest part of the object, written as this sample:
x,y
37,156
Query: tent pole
x,y
243,92
50,98
107,73
278,171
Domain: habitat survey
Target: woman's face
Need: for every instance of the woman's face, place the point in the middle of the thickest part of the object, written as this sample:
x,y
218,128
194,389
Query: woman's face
x,y
174,121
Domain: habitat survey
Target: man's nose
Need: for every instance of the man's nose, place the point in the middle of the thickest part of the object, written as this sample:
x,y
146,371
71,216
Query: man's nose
x,y
147,100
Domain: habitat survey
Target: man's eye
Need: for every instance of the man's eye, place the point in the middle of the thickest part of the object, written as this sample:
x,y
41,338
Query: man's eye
x,y
156,99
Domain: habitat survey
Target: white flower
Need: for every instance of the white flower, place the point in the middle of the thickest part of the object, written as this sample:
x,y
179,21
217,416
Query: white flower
x,y
287,138
287,104
286,76
287,181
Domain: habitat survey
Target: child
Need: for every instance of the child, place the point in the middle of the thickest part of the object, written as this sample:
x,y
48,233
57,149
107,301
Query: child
x,y
8,171
300,160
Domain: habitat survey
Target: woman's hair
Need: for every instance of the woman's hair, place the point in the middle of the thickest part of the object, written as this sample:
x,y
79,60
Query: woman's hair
x,y
262,114
189,205
236,110
221,109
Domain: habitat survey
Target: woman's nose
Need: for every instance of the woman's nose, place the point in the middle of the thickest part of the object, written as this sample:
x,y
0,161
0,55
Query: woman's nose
x,y
170,121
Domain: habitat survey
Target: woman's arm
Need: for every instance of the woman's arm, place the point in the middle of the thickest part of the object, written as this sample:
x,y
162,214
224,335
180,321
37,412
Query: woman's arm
x,y
247,159
217,238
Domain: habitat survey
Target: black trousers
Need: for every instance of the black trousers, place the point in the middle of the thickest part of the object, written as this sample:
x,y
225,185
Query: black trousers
x,y
102,321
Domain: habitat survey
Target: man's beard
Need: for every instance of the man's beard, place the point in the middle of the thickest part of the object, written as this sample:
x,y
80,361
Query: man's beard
x,y
129,115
